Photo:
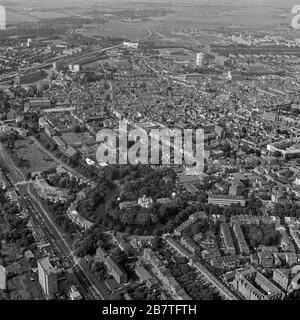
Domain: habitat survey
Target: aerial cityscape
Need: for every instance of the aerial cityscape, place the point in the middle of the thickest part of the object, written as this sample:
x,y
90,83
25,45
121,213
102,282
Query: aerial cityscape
x,y
149,150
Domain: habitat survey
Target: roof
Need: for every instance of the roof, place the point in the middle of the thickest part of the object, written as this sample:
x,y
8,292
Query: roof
x,y
117,269
46,265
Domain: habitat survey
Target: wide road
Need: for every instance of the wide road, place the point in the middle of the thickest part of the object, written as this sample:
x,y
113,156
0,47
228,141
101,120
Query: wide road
x,y
63,242
16,173
17,180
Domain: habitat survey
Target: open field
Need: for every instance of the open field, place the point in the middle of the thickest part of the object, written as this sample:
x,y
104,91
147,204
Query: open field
x,y
206,14
37,159
73,138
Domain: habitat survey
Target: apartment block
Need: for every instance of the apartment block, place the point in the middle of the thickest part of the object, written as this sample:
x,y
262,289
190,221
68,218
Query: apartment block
x,y
242,244
227,239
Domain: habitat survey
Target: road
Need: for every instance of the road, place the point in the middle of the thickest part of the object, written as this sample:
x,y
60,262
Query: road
x,y
57,160
16,173
61,59
61,240
42,217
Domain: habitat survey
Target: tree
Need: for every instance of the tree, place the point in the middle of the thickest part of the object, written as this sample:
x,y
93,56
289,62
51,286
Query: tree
x,y
77,129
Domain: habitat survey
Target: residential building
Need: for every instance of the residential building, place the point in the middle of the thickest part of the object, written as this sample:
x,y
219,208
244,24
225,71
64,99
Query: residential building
x,y
3,276
227,239
254,286
295,233
226,200
48,276
111,265
145,202
242,244
282,277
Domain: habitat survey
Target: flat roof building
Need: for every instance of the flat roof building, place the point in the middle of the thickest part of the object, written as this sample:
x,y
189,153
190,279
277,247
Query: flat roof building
x,y
48,276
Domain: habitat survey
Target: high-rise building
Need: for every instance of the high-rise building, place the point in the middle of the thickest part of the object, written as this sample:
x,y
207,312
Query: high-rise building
x,y
48,276
200,59
2,278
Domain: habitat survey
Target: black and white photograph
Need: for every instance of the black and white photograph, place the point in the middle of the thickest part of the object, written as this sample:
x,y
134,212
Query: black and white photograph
x,y
149,155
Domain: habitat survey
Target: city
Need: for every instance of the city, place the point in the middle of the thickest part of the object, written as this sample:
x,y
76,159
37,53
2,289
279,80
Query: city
x,y
73,227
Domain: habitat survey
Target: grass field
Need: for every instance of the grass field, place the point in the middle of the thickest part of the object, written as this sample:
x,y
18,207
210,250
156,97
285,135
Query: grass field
x,y
37,159
73,138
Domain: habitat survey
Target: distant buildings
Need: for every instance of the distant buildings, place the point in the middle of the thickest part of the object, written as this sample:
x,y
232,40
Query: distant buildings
x,y
39,103
131,45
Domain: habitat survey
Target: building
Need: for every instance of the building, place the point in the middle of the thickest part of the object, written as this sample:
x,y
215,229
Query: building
x,y
226,262
282,277
145,202
79,219
226,200
143,274
131,45
190,245
254,286
286,243
227,239
48,192
191,220
75,294
200,59
48,276
243,219
2,278
295,233
115,270
164,275
178,247
128,205
112,266
164,201
242,244
42,103
59,141
266,259
237,188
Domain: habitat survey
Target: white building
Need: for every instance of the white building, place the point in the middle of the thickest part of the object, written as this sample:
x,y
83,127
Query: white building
x,y
145,202
2,278
131,45
48,276
200,59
